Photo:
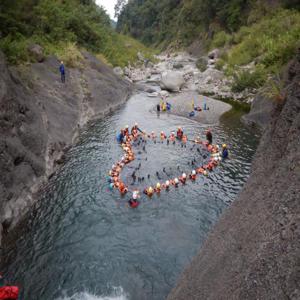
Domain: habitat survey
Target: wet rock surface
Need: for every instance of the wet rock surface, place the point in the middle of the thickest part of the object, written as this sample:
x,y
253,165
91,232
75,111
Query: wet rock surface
x,y
40,118
253,251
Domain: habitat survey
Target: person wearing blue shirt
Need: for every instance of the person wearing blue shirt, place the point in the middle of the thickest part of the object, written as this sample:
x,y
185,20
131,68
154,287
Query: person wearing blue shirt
x,y
62,72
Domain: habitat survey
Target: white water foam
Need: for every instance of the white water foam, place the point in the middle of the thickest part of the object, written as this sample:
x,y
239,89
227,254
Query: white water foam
x,y
118,294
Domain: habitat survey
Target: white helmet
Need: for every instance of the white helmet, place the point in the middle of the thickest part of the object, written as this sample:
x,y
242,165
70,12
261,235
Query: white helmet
x,y
167,183
194,172
176,180
183,175
136,124
127,126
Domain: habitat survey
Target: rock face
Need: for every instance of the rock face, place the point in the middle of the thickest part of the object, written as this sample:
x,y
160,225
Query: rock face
x,y
260,113
40,117
37,52
253,251
172,81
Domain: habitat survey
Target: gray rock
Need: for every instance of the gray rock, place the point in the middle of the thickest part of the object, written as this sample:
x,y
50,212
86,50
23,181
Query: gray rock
x,y
39,120
36,52
214,54
177,66
172,81
260,113
118,71
140,56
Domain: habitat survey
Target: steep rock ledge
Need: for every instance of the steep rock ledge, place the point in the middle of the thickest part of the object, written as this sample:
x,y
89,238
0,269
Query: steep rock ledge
x,y
40,118
253,252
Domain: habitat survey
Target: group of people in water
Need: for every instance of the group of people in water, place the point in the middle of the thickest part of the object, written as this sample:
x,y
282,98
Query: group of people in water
x,y
126,138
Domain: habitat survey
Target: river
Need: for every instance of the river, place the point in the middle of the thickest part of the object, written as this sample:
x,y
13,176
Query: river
x,y
83,242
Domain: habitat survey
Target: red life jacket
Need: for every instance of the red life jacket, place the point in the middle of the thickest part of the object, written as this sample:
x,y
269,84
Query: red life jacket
x,y
9,292
134,204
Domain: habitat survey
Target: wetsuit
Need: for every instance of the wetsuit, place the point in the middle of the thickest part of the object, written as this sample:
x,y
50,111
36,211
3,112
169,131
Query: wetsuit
x,y
225,153
209,137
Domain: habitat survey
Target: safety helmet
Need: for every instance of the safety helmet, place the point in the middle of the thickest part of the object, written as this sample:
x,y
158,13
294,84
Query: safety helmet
x,y
176,180
136,124
161,132
167,183
205,173
183,175
194,172
152,132
110,173
134,195
127,126
224,146
150,189
158,185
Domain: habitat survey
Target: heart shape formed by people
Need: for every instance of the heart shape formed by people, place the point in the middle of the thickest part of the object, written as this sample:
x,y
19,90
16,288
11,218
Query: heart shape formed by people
x,y
128,140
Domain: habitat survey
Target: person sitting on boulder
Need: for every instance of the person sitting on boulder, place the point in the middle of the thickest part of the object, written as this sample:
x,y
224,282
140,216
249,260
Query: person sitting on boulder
x,y
62,72
209,136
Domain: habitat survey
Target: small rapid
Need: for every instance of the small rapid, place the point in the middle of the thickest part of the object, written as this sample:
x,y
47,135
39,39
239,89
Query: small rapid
x,y
82,240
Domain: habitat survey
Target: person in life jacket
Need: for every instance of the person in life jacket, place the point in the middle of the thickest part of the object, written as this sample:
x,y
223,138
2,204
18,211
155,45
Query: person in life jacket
x,y
8,292
176,182
149,191
162,136
167,185
172,136
122,188
193,175
179,133
158,188
168,106
200,170
209,136
183,178
126,130
224,151
153,136
133,202
164,106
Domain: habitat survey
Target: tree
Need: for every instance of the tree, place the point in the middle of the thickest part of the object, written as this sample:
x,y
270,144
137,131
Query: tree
x,y
119,7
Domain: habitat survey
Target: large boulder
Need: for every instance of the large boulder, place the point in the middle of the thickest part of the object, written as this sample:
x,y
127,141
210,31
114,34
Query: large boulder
x,y
118,71
214,54
36,52
260,113
172,81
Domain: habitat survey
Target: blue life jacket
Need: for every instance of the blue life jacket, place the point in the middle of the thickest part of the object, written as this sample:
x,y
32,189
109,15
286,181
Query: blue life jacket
x,y
120,138
225,153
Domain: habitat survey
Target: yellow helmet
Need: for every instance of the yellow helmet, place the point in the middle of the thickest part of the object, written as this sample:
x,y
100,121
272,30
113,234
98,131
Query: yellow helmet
x,y
158,185
224,146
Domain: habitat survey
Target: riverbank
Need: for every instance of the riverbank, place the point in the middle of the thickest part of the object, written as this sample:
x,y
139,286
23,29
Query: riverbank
x,y
40,120
182,106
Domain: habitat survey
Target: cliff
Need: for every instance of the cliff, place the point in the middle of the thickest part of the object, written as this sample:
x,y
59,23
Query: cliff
x,y
253,251
40,118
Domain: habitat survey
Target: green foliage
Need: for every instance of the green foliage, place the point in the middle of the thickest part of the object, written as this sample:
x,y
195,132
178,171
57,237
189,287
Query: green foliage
x,y
220,39
249,79
201,64
272,41
62,28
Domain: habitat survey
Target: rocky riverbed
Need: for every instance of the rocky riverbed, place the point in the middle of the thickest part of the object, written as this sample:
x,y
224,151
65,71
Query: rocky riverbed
x,y
179,72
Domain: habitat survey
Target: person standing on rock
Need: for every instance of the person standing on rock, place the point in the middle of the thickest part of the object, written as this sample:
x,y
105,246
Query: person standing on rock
x,y
62,72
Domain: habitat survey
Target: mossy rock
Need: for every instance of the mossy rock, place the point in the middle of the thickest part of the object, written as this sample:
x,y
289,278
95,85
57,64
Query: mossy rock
x,y
202,64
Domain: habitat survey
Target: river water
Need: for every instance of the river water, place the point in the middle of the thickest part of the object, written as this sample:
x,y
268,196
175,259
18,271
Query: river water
x,y
83,242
